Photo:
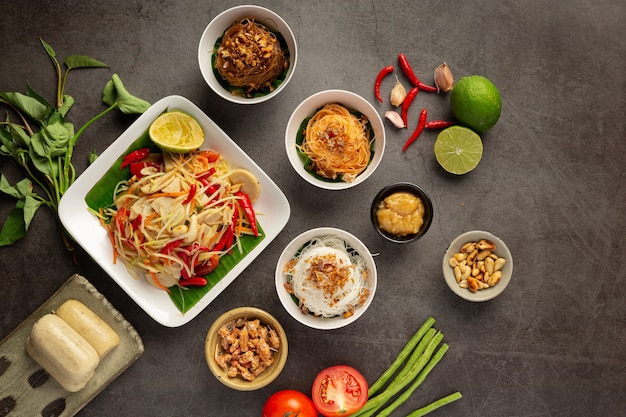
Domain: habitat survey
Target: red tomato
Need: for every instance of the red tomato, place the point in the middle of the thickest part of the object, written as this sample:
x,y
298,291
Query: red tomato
x,y
339,391
289,403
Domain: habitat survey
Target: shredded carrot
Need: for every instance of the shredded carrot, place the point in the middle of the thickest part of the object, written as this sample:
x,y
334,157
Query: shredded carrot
x,y
178,194
240,218
157,283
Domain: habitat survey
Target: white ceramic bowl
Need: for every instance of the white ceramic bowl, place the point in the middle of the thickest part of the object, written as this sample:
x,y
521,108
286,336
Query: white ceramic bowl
x,y
212,344
308,108
216,29
290,305
501,250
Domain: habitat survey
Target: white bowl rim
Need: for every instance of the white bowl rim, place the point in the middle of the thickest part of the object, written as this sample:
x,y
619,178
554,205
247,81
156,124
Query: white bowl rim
x,y
287,301
308,107
207,71
502,250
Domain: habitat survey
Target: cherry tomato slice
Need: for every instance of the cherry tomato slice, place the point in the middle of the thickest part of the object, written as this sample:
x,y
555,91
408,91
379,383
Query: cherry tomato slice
x,y
339,391
289,403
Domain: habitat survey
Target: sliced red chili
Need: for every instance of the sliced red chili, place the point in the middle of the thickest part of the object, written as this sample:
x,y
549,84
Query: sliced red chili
x,y
418,129
207,267
191,195
136,223
136,168
379,79
410,96
410,74
167,249
192,282
206,174
439,124
246,205
134,156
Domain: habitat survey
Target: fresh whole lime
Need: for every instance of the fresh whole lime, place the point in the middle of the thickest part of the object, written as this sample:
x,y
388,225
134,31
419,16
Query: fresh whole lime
x,y
458,149
177,132
476,103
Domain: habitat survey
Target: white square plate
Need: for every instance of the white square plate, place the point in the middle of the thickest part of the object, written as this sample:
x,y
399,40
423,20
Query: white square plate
x,y
88,232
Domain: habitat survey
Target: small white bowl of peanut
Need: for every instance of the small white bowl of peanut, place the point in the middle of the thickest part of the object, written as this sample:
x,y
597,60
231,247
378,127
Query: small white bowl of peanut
x,y
477,266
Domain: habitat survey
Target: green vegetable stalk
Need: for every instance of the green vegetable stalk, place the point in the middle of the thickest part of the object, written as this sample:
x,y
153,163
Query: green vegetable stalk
x,y
41,141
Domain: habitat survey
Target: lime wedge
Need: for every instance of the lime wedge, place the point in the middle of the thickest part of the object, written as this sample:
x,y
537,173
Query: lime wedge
x,y
458,149
176,132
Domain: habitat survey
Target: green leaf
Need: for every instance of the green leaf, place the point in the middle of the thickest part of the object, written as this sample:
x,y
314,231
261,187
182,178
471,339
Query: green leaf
x,y
31,205
8,189
43,164
31,93
52,140
93,155
19,136
68,102
83,61
24,187
48,49
115,93
30,106
8,148
13,228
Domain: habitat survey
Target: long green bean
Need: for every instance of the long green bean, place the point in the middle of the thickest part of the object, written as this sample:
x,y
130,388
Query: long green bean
x,y
418,360
402,398
420,412
402,356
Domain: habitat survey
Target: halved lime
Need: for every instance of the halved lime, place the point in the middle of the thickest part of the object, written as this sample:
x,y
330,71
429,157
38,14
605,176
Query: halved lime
x,y
177,132
458,149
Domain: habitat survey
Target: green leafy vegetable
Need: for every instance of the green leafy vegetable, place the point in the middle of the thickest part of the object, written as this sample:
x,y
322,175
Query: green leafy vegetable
x,y
41,141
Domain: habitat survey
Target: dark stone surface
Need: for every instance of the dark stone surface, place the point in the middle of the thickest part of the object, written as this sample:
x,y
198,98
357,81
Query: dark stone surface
x,y
551,185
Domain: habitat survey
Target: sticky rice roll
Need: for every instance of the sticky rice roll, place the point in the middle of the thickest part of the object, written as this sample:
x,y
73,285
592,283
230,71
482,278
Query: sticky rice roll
x,y
90,326
62,352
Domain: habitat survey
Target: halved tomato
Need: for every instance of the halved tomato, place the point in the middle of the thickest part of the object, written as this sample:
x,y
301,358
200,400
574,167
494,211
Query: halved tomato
x,y
339,391
289,403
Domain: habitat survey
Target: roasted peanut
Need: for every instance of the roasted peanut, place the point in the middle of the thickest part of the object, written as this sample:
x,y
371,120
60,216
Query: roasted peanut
x,y
499,263
476,266
457,273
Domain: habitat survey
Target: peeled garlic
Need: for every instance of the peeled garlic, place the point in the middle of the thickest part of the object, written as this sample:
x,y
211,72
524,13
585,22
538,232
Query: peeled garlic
x,y
443,78
395,118
398,93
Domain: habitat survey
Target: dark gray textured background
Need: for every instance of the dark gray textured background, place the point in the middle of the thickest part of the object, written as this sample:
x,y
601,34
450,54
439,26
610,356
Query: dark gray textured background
x,y
551,184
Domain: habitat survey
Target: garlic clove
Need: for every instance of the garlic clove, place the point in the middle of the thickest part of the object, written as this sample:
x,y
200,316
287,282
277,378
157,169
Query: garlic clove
x,y
398,93
395,118
443,78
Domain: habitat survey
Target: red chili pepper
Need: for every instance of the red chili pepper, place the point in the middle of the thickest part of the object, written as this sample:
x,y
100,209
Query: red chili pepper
x,y
206,174
192,282
167,249
379,79
207,267
137,167
408,71
226,236
246,205
192,193
418,129
439,124
135,156
410,96
136,223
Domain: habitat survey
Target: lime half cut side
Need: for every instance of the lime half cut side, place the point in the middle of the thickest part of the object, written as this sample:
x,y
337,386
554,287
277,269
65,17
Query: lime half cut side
x,y
177,132
458,149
